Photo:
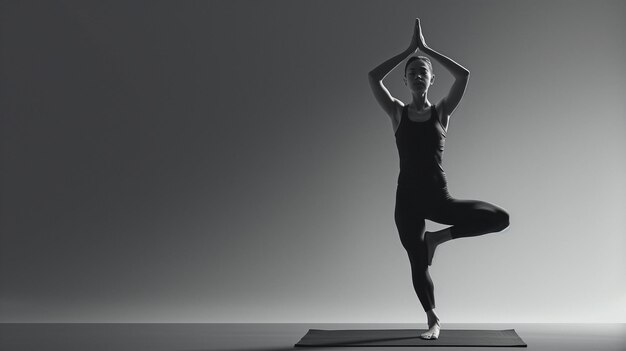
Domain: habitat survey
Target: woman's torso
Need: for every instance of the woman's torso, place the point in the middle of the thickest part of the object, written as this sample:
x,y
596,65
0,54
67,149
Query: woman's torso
x,y
420,144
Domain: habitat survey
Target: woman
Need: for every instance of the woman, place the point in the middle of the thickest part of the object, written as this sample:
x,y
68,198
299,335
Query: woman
x,y
420,130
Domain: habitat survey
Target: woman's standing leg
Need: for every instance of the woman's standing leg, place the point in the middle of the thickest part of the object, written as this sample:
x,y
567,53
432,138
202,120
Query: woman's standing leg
x,y
411,225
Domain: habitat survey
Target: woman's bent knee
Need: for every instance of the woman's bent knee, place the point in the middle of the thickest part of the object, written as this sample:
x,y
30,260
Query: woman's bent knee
x,y
502,220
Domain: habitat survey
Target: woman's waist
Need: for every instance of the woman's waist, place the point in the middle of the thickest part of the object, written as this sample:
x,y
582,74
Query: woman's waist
x,y
425,174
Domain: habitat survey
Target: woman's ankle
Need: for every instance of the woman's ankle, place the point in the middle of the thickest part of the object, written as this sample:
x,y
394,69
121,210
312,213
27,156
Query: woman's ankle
x,y
431,315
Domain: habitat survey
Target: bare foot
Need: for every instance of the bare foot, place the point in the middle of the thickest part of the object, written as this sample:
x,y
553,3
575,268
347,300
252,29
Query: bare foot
x,y
433,332
431,245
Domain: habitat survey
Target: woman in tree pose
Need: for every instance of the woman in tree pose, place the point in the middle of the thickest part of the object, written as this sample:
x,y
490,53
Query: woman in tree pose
x,y
422,193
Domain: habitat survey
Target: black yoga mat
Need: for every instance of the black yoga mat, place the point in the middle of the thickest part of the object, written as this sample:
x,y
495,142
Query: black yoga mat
x,y
411,337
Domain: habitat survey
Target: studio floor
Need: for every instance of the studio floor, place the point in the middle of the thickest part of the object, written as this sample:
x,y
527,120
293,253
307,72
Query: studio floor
x,y
269,337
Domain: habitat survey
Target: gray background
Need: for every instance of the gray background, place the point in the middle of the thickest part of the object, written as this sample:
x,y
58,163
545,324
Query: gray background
x,y
227,162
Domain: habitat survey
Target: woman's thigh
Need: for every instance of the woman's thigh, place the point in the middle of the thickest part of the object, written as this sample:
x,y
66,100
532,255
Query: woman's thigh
x,y
410,220
456,211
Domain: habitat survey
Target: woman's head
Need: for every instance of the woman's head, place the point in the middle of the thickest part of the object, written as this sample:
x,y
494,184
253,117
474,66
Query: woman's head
x,y
418,73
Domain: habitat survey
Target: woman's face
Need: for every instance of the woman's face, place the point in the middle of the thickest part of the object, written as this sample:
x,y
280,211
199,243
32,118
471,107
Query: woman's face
x,y
418,76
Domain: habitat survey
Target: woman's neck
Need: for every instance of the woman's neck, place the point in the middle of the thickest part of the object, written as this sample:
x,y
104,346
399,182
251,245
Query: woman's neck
x,y
420,102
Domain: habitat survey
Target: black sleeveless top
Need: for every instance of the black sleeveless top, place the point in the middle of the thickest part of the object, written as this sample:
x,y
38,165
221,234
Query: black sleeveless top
x,y
420,147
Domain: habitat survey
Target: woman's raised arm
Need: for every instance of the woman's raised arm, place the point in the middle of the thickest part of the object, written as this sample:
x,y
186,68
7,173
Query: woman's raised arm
x,y
381,93
376,76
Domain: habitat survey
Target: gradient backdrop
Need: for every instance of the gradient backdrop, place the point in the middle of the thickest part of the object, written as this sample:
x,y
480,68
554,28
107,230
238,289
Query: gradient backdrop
x,y
226,161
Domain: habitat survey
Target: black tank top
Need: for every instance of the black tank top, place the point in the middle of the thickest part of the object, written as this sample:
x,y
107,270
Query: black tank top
x,y
420,147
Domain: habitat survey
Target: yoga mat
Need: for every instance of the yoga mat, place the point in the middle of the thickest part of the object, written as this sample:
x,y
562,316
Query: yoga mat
x,y
411,337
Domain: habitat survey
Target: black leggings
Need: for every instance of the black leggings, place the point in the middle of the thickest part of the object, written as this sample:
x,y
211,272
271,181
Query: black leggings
x,y
467,217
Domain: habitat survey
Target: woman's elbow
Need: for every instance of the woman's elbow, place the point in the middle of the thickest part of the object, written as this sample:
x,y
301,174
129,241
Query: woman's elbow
x,y
462,75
